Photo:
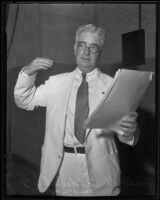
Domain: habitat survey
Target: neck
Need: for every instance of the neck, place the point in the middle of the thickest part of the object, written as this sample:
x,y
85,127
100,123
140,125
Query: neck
x,y
86,70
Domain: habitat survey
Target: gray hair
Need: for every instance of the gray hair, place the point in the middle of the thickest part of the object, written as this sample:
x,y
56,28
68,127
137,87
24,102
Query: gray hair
x,y
90,28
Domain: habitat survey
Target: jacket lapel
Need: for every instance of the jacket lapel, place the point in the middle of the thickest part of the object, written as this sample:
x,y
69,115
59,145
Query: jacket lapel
x,y
62,109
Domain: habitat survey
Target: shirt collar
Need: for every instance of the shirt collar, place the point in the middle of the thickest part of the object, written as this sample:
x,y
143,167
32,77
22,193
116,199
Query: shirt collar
x,y
89,76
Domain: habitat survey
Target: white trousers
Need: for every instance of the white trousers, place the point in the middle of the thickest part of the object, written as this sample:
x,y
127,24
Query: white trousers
x,y
73,179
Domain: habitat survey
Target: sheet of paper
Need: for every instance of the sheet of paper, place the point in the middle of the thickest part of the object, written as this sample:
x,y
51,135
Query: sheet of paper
x,y
124,96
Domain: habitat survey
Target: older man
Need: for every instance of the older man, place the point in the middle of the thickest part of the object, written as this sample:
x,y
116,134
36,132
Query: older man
x,y
85,162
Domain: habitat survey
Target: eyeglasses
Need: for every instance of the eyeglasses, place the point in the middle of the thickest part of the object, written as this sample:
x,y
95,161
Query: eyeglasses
x,y
94,48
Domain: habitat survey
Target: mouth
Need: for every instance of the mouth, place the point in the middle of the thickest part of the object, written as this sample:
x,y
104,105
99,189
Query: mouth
x,y
85,59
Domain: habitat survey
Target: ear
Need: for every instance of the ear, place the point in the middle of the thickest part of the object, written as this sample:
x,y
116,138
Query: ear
x,y
101,52
100,56
74,48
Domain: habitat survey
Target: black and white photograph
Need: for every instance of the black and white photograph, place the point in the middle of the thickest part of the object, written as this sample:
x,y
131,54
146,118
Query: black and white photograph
x,y
81,100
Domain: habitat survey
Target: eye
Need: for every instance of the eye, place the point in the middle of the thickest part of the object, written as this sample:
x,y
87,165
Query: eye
x,y
81,44
94,48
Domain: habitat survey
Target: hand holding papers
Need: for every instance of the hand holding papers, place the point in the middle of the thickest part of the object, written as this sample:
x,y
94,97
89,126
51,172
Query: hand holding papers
x,y
124,96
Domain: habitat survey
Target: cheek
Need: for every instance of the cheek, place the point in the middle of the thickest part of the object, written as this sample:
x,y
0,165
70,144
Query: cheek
x,y
77,53
77,56
94,59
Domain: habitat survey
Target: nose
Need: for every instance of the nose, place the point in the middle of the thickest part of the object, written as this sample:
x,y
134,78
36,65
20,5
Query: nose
x,y
87,50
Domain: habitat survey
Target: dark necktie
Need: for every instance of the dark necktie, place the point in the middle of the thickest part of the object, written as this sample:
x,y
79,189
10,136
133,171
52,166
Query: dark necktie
x,y
81,110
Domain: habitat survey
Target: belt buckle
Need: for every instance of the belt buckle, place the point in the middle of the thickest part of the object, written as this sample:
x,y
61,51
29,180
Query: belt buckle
x,y
75,150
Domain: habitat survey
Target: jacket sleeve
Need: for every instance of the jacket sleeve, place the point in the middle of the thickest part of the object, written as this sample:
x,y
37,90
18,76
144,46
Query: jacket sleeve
x,y
26,95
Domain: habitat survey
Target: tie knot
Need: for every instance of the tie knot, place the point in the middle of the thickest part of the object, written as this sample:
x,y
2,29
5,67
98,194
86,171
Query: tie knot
x,y
83,76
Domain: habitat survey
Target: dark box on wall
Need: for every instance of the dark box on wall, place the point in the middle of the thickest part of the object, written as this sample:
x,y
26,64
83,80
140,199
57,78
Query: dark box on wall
x,y
133,48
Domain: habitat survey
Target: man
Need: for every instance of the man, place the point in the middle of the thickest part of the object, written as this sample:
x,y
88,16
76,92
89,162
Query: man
x,y
85,162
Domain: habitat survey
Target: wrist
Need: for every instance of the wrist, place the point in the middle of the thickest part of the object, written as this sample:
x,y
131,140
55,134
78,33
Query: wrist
x,y
28,71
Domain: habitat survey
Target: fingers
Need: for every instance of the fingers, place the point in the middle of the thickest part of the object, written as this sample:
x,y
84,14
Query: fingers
x,y
128,123
43,63
131,117
40,64
128,128
43,59
128,131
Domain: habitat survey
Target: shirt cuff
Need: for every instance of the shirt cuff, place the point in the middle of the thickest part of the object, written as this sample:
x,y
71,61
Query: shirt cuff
x,y
126,139
131,142
25,79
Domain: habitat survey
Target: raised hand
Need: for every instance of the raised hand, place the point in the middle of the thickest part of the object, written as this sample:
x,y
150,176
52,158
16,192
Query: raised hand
x,y
38,64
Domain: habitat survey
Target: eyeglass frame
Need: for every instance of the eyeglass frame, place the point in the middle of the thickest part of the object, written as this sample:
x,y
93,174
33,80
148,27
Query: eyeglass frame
x,y
88,47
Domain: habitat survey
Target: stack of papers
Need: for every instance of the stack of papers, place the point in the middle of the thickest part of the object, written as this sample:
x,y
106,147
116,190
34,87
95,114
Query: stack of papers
x,y
124,95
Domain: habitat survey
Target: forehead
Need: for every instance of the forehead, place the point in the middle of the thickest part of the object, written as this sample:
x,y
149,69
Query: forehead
x,y
90,38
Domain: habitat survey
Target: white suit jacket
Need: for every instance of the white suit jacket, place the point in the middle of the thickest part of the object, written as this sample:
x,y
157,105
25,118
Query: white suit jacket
x,y
101,152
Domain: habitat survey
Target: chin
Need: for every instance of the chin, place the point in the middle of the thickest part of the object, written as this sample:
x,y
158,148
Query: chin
x,y
86,69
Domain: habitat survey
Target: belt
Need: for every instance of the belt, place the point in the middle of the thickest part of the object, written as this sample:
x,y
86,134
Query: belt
x,y
74,149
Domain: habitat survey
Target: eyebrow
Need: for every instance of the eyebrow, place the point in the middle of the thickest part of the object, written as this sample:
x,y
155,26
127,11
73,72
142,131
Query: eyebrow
x,y
90,43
